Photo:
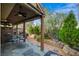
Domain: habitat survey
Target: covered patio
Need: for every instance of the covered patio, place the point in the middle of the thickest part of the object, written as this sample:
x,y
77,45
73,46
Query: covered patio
x,y
11,16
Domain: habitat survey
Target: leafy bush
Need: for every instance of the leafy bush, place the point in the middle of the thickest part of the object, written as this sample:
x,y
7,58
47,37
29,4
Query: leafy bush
x,y
31,30
36,30
46,36
68,32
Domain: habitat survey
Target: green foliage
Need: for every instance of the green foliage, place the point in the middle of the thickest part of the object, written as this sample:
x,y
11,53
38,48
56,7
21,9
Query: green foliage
x,y
68,33
52,23
36,30
46,36
30,29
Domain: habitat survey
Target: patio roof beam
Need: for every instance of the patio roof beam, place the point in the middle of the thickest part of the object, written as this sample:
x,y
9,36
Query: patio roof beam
x,y
33,8
39,10
30,19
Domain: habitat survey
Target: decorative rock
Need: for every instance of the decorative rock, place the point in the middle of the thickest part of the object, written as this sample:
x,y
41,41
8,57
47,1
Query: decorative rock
x,y
66,49
77,53
70,51
60,44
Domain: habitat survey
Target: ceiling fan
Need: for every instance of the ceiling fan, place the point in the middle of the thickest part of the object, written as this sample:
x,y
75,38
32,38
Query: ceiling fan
x,y
21,12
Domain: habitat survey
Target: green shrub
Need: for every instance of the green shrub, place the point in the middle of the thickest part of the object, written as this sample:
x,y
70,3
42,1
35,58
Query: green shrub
x,y
36,30
46,36
68,32
31,29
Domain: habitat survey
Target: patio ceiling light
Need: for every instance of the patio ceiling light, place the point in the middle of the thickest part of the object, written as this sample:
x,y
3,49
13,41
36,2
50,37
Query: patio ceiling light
x,y
21,14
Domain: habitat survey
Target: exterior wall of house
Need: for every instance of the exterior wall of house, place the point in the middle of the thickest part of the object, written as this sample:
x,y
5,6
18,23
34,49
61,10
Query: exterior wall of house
x,y
5,34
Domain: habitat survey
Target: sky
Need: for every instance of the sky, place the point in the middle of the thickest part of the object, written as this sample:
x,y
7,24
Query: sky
x,y
61,8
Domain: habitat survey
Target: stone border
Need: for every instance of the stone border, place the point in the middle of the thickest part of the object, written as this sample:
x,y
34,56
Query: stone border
x,y
63,48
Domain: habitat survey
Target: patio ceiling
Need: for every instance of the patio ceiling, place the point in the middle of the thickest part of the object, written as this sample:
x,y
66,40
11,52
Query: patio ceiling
x,y
16,13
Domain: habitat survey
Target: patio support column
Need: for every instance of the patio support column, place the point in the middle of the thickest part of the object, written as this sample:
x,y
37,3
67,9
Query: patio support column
x,y
42,33
24,31
12,30
17,29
